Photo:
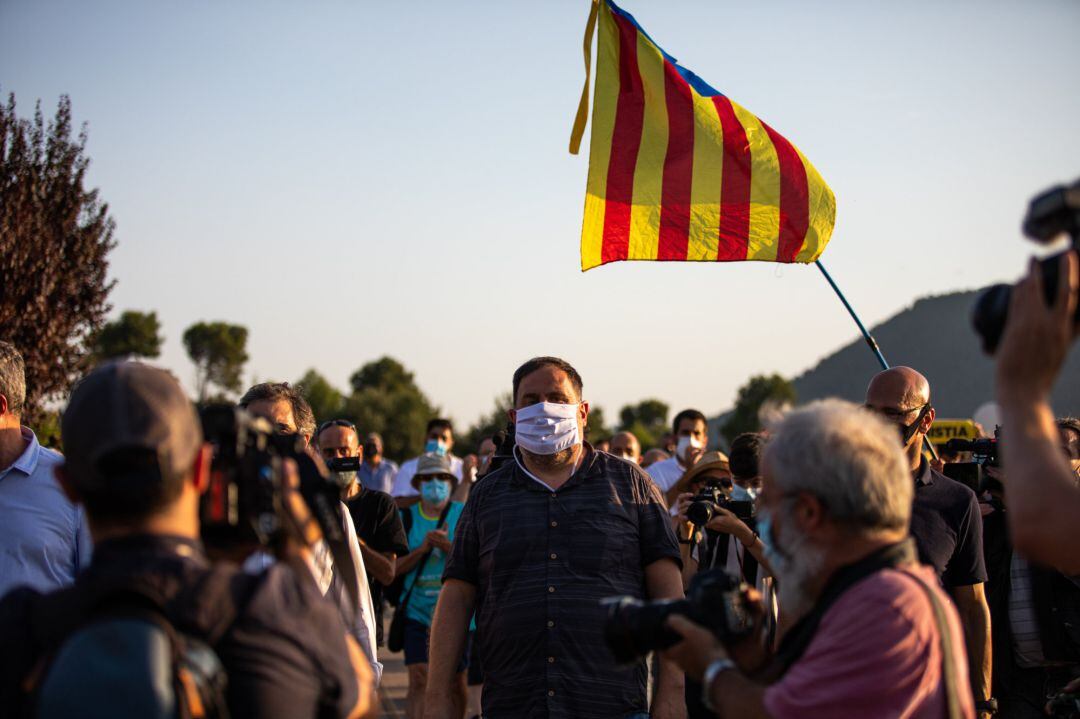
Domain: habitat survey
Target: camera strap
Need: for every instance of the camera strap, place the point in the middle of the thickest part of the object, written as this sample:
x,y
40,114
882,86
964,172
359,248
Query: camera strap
x,y
797,640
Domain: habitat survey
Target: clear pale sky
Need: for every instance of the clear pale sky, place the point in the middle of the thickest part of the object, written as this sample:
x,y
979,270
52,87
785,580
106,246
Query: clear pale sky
x,y
352,179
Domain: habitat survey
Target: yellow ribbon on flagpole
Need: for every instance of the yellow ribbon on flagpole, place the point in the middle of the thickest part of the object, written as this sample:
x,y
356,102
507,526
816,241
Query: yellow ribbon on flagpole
x,y
583,106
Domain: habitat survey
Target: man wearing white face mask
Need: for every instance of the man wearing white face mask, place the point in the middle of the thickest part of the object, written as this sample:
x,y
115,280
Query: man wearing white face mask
x,y
692,438
541,541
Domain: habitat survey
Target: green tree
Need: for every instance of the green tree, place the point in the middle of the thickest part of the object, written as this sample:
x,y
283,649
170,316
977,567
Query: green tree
x,y
486,426
325,399
218,350
752,395
55,236
133,334
386,399
648,420
597,428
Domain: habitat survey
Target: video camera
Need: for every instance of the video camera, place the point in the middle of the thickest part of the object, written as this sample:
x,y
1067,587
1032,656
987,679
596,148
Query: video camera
x,y
1050,214
715,599
986,453
244,505
703,506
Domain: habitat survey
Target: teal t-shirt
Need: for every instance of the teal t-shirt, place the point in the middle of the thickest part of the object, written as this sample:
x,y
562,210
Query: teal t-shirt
x,y
422,601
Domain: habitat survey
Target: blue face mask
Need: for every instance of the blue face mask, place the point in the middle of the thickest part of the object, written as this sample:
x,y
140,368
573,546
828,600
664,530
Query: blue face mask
x,y
742,494
436,446
435,491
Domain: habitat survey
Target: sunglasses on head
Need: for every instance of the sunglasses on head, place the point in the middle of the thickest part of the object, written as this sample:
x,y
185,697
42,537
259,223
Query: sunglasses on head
x,y
336,423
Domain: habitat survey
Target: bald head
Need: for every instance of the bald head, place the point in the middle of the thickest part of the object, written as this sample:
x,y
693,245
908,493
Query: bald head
x,y
626,445
899,387
902,396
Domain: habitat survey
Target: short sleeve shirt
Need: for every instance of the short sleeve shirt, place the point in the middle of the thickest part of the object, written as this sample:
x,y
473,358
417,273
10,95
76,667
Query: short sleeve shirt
x,y
45,541
947,527
378,522
666,473
541,561
876,653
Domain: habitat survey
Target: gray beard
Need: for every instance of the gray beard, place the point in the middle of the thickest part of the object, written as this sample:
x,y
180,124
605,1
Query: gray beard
x,y
794,573
550,462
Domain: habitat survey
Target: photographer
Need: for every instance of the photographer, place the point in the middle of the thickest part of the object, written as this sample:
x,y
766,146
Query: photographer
x,y
875,635
1044,502
1035,609
137,462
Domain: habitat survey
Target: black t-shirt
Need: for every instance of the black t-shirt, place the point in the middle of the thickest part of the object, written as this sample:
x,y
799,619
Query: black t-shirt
x,y
282,644
947,527
378,521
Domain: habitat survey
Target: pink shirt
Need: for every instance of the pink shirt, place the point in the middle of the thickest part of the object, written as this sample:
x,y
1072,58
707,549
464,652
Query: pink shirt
x,y
876,654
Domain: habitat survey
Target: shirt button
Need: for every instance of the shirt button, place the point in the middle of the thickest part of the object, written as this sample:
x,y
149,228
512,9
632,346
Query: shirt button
x,y
550,624
554,556
554,524
553,495
551,660
551,692
551,590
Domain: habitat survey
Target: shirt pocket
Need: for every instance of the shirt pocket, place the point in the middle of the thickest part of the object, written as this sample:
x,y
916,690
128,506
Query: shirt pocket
x,y
603,540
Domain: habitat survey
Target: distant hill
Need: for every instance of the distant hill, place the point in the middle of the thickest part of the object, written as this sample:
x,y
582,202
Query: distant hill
x,y
935,337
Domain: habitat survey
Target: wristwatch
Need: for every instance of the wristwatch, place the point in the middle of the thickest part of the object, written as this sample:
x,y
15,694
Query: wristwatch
x,y
715,669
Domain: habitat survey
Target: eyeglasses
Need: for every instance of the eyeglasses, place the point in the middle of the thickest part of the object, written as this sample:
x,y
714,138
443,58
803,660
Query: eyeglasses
x,y
895,414
335,423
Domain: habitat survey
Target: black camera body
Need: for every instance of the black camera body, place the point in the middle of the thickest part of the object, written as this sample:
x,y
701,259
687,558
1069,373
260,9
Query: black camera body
x,y
715,599
1050,214
703,506
986,452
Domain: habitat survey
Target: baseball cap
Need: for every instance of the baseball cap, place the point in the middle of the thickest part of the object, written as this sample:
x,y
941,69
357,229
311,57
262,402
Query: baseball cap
x,y
126,405
434,464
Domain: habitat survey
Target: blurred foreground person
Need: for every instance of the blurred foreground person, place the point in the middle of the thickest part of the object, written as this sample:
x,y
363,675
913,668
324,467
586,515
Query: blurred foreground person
x,y
1044,502
541,541
945,519
137,461
875,635
1035,608
44,542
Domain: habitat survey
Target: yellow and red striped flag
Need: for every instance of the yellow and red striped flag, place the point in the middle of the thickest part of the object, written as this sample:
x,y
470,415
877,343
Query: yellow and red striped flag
x,y
677,171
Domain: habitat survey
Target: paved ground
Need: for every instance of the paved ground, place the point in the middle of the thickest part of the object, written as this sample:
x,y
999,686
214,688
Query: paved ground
x,y
394,682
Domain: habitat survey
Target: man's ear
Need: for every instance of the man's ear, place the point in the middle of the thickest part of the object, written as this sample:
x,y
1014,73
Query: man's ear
x,y
809,511
583,410
200,475
3,404
927,420
62,478
512,415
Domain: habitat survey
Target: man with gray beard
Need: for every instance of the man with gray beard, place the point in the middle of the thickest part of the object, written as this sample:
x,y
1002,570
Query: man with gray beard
x,y
871,633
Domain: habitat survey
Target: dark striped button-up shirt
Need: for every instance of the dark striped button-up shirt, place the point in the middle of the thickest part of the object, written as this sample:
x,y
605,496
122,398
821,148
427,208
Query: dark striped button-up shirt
x,y
541,561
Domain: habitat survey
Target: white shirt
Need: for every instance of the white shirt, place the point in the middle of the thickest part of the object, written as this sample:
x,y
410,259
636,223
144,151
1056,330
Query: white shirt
x,y
666,473
361,621
403,479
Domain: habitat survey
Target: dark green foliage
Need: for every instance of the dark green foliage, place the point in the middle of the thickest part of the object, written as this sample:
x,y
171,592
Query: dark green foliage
x,y
648,420
55,236
218,350
752,395
134,334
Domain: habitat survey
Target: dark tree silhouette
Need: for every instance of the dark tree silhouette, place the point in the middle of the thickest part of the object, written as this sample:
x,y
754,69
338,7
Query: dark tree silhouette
x,y
219,351
55,236
135,334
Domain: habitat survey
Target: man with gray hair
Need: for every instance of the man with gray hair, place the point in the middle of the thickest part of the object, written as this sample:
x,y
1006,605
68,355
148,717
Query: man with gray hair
x,y
45,541
871,633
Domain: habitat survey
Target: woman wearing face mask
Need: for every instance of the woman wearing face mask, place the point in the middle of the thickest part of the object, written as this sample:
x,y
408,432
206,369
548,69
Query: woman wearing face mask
x,y
430,525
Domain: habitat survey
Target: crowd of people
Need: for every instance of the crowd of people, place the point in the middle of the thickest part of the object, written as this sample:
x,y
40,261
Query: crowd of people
x,y
868,583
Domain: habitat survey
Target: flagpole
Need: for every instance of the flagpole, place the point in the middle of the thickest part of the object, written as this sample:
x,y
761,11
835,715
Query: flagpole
x,y
862,328
868,337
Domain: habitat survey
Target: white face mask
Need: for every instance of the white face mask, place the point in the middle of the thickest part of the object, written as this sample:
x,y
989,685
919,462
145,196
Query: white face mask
x,y
685,443
547,428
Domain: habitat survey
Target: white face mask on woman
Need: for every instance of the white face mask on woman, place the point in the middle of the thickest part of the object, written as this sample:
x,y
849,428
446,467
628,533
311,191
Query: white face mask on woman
x,y
547,428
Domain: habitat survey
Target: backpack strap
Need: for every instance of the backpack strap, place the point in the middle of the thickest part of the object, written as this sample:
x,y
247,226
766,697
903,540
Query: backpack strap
x,y
948,659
